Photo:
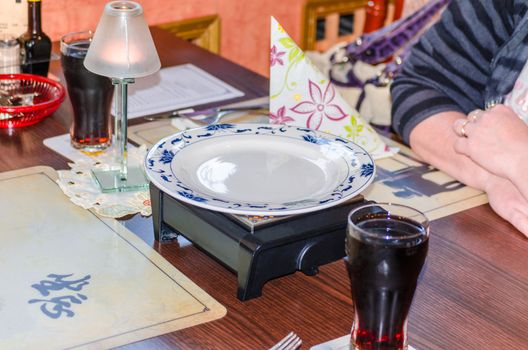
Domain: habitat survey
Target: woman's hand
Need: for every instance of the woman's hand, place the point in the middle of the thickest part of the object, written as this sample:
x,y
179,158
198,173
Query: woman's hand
x,y
497,140
434,141
508,202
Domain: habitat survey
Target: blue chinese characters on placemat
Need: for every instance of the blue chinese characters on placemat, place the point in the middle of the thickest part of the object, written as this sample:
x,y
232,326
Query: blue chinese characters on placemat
x,y
61,292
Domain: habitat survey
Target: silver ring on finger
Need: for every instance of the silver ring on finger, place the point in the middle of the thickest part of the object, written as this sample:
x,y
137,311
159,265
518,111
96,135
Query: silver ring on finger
x,y
473,116
463,128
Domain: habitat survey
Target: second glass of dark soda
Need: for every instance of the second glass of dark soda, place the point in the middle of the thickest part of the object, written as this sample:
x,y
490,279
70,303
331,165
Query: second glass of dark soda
x,y
386,249
90,95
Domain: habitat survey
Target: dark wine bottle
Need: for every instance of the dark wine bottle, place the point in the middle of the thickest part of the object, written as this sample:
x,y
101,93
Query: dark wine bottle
x,y
35,46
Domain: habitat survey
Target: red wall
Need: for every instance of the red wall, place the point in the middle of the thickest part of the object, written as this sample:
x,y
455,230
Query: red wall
x,y
245,23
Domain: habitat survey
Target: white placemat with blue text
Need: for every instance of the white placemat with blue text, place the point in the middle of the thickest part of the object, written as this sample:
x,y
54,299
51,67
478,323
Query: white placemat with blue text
x,y
73,280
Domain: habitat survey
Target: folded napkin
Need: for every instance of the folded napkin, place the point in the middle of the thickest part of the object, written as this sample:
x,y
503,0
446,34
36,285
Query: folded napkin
x,y
301,95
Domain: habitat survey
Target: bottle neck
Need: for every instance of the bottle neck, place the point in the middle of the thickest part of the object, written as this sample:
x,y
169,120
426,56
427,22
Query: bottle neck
x,y
34,17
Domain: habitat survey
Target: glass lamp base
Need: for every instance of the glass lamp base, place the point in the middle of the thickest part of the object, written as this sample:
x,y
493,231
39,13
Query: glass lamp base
x,y
110,180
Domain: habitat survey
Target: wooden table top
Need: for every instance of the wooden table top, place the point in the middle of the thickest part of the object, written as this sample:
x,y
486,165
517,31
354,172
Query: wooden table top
x,y
473,295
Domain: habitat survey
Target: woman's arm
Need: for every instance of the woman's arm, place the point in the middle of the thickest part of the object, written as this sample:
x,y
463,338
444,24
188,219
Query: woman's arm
x,y
444,79
434,141
449,68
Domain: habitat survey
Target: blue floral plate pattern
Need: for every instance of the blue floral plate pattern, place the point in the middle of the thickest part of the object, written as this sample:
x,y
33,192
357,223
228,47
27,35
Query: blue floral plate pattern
x,y
259,169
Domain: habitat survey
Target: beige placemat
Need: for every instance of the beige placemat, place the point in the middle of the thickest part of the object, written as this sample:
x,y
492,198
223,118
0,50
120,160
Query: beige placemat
x,y
401,178
151,132
404,179
73,280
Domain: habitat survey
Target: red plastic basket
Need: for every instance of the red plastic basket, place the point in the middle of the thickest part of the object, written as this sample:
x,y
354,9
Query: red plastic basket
x,y
49,96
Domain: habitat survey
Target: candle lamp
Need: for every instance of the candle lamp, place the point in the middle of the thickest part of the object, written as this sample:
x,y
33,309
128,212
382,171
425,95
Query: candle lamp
x,y
123,50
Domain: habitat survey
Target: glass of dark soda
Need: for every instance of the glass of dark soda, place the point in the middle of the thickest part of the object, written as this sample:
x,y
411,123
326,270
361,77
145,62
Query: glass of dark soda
x,y
90,95
386,247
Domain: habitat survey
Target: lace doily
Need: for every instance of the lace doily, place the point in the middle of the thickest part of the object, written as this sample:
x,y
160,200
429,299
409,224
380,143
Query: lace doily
x,y
79,185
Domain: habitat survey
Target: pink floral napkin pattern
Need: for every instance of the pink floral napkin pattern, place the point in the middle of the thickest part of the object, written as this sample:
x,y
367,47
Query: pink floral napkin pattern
x,y
301,95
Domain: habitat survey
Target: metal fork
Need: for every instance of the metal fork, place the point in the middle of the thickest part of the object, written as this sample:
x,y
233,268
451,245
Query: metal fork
x,y
215,118
210,113
290,342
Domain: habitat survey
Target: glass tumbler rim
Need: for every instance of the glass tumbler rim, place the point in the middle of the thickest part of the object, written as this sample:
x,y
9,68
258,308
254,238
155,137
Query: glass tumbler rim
x,y
387,238
66,46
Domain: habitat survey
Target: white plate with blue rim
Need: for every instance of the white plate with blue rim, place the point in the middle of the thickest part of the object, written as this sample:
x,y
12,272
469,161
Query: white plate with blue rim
x,y
259,169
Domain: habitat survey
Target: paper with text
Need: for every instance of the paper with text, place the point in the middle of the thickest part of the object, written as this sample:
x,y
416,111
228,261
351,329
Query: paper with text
x,y
175,88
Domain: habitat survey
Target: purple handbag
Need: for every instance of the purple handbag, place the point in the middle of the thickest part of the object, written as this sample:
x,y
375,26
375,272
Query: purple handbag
x,y
391,43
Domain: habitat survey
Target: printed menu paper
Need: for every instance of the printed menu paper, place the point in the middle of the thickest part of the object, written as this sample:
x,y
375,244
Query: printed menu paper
x,y
175,88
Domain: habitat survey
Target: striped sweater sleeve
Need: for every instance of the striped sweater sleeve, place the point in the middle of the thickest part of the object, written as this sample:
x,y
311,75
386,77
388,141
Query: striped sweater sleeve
x,y
448,68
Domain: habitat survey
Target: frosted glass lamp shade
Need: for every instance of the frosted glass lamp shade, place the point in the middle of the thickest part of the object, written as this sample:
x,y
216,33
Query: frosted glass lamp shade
x,y
122,46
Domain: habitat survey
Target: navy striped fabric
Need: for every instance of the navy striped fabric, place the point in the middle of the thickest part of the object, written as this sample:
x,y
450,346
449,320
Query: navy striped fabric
x,y
469,59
